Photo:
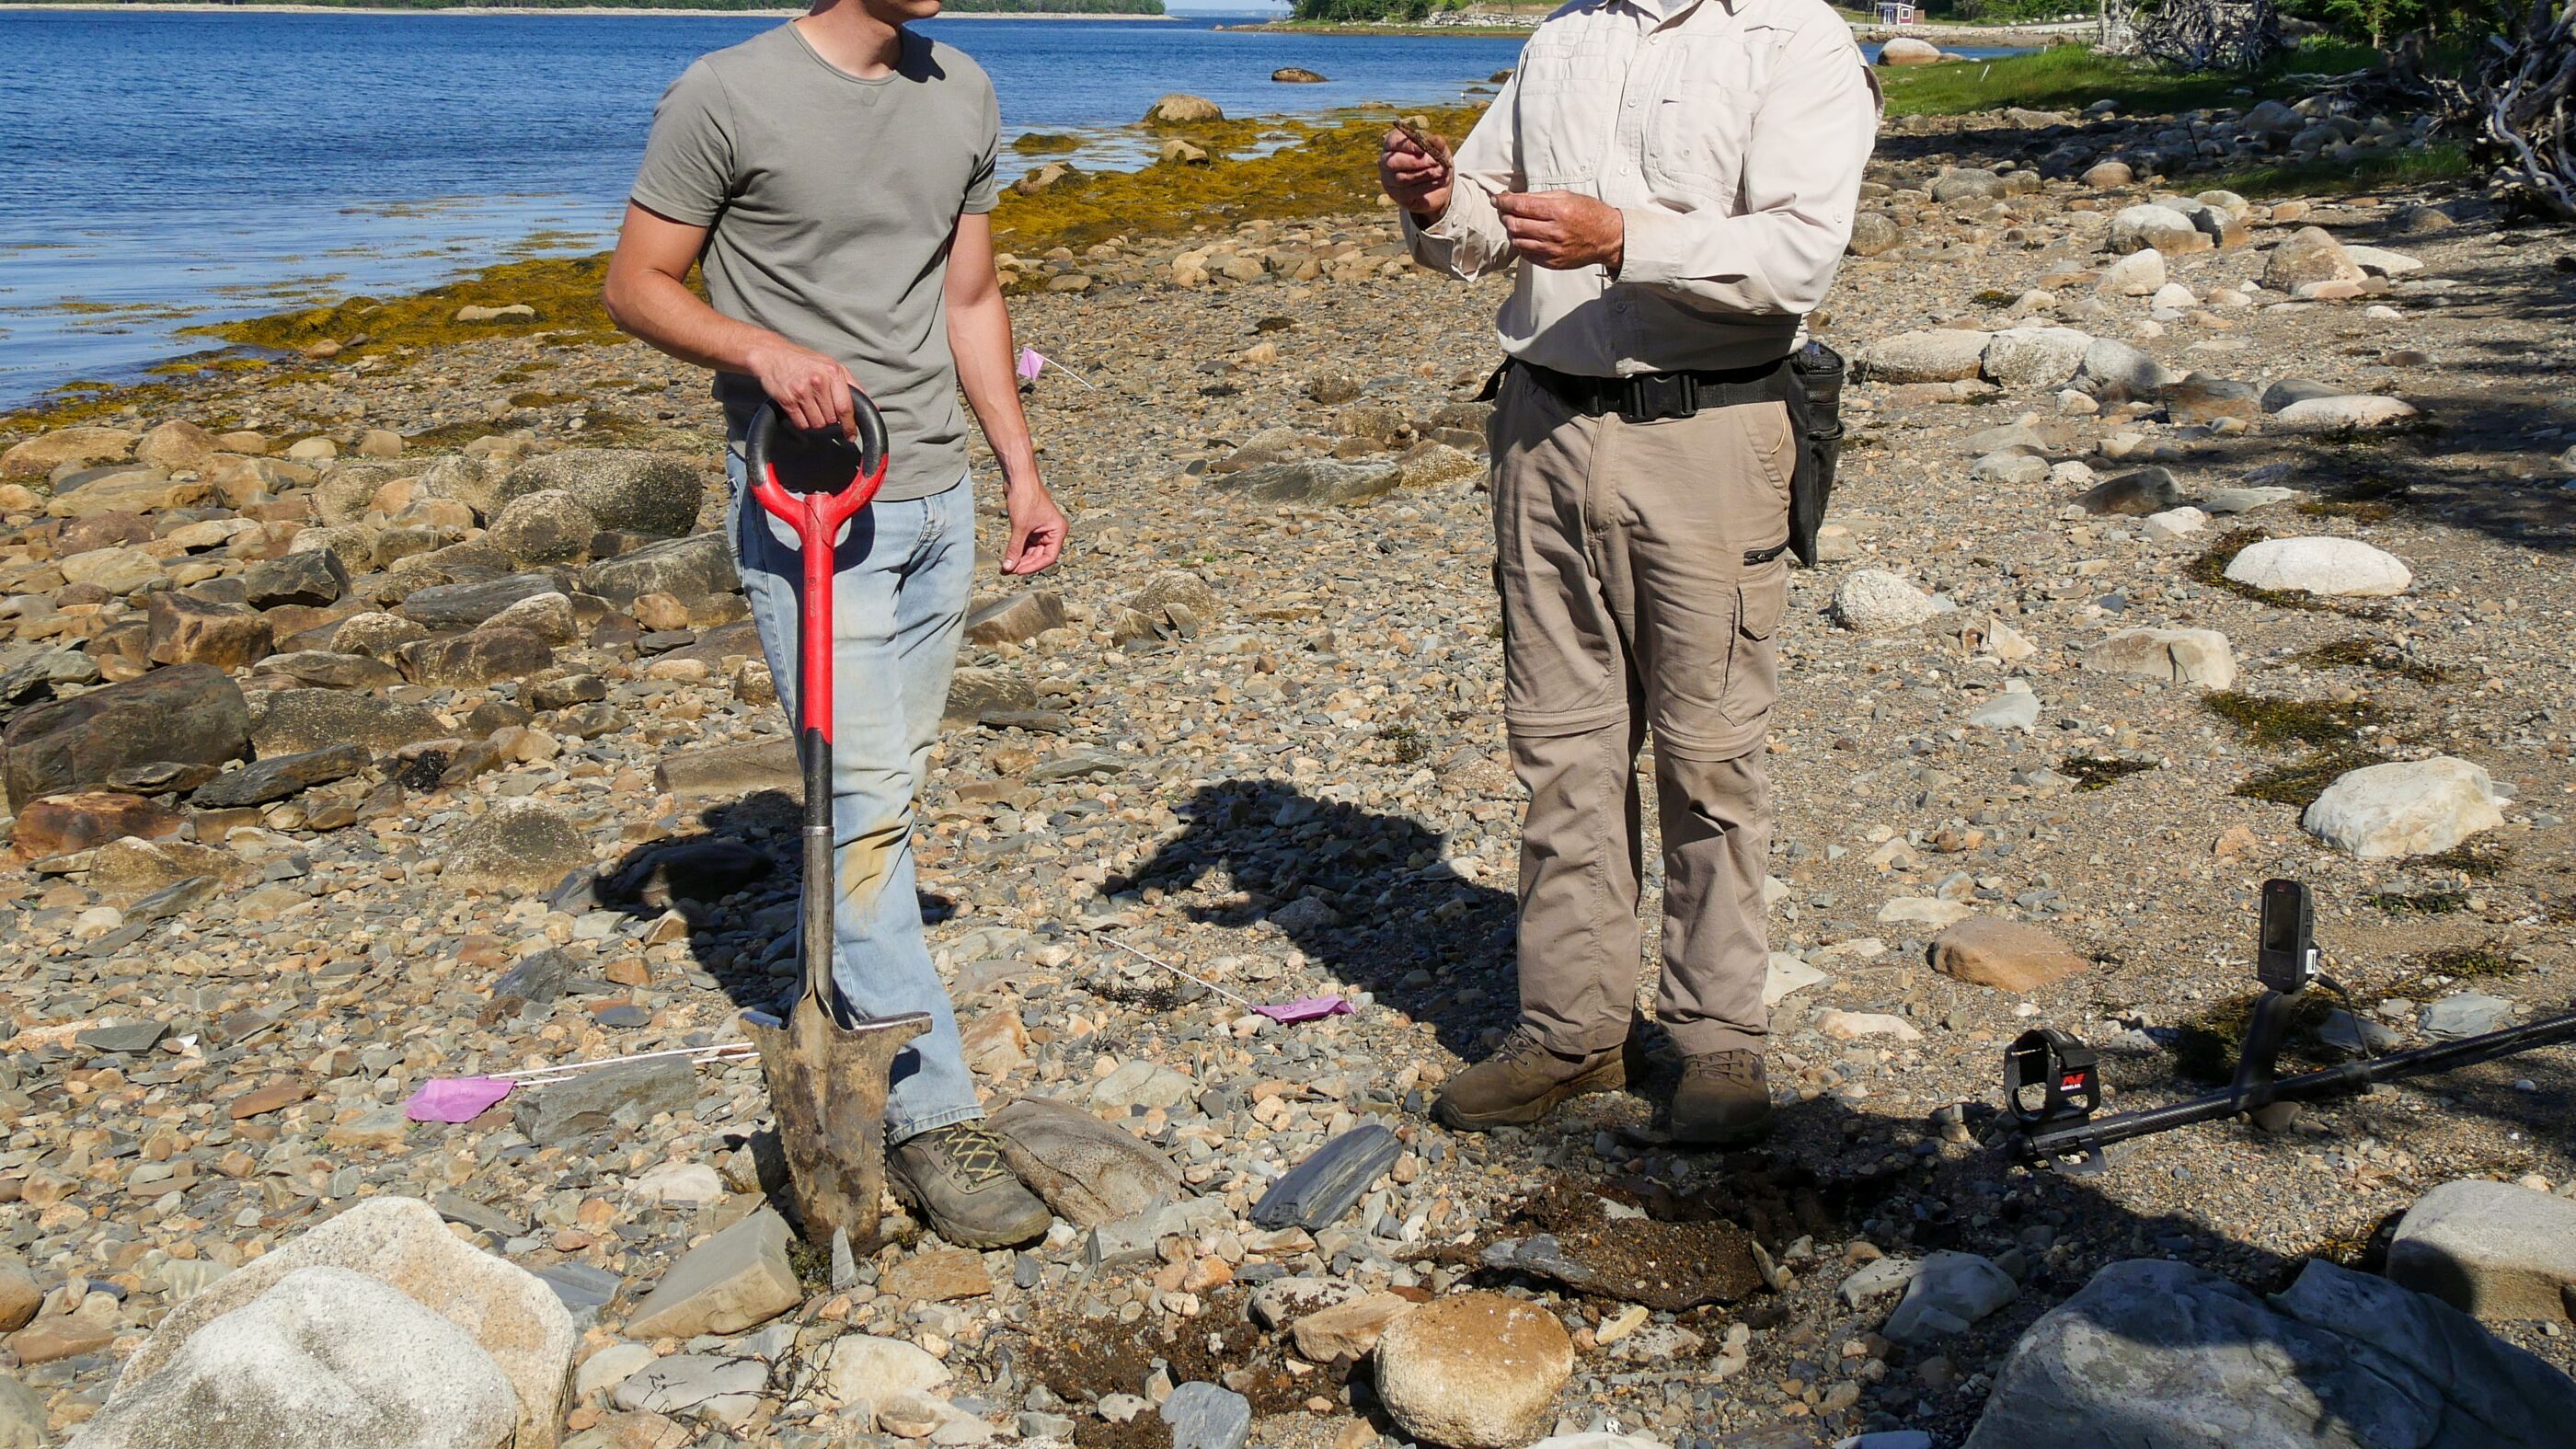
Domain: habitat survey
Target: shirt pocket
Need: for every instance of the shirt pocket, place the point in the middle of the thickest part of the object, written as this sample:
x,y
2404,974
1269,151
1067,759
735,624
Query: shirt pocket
x,y
1703,120
1569,88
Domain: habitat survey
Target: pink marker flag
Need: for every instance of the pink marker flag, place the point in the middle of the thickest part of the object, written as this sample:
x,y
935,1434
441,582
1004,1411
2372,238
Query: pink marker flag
x,y
1031,364
1305,1008
454,1099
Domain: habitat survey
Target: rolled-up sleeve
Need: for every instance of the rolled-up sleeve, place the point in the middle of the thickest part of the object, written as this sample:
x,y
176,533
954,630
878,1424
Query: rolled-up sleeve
x,y
1468,240
1811,140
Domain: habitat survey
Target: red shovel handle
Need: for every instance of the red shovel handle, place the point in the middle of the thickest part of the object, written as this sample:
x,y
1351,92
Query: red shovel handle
x,y
832,479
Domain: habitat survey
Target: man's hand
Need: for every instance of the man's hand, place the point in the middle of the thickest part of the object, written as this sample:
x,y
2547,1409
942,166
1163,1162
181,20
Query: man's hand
x,y
1413,178
812,390
1038,528
1562,230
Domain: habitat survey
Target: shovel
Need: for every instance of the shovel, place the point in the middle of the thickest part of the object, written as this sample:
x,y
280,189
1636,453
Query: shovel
x,y
826,1065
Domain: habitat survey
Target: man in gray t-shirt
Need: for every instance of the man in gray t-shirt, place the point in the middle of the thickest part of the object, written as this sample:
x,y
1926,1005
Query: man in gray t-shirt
x,y
834,177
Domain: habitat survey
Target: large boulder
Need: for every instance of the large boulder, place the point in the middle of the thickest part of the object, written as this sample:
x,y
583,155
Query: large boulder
x,y
2333,567
2342,413
1182,108
2169,656
292,721
2004,955
2034,356
2502,1252
187,629
398,1245
2310,254
45,452
2159,228
549,526
1874,601
622,487
1944,354
688,569
2112,364
2165,1355
1473,1371
465,605
2420,807
322,1356
189,714
482,656
516,847
1872,233
1906,50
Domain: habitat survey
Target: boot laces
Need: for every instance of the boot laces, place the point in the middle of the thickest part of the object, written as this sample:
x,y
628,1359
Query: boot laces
x,y
1739,1068
971,1152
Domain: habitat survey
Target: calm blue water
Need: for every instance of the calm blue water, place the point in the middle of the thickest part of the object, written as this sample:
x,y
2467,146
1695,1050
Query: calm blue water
x,y
160,169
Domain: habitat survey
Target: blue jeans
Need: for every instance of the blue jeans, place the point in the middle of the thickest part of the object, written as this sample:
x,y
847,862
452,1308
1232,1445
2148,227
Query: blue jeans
x,y
898,610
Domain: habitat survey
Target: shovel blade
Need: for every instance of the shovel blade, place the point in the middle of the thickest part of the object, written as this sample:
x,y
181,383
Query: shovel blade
x,y
827,1086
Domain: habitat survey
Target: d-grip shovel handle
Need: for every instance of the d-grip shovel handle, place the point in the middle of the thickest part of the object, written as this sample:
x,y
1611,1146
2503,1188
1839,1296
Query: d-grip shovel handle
x,y
817,514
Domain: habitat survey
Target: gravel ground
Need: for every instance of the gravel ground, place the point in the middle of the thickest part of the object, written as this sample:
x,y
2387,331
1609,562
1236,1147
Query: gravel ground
x,y
1294,784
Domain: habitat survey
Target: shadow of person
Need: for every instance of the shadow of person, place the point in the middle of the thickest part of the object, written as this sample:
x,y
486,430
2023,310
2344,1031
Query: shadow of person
x,y
733,882
1365,895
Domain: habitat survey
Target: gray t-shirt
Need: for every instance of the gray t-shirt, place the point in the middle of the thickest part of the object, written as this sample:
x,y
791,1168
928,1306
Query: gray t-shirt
x,y
830,202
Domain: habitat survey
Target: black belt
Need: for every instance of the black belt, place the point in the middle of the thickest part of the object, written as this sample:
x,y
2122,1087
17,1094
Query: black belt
x,y
1651,397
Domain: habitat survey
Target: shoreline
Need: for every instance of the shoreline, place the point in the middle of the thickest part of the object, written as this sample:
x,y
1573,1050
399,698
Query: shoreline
x,y
282,7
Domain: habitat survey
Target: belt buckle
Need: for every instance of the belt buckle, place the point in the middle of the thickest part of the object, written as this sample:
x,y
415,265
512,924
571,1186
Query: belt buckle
x,y
1648,397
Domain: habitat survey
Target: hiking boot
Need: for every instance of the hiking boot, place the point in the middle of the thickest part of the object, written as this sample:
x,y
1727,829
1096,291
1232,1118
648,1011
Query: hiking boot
x,y
1523,1081
1724,1098
956,1179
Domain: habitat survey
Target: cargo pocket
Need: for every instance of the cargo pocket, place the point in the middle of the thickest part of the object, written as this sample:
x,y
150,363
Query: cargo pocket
x,y
1752,676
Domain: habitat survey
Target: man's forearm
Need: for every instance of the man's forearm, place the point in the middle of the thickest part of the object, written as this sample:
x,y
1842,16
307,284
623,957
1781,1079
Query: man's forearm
x,y
979,335
666,314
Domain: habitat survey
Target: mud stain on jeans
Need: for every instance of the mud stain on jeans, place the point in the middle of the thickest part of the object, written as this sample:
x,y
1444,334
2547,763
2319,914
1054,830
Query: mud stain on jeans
x,y
866,862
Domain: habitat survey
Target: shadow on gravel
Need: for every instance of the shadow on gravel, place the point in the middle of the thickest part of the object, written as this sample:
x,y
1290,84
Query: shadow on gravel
x,y
720,879
1386,915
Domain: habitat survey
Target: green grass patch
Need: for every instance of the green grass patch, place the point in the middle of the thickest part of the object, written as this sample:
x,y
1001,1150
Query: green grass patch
x,y
2418,903
2479,858
2212,1038
2414,166
2373,655
2071,77
2280,723
2101,772
1405,744
2301,783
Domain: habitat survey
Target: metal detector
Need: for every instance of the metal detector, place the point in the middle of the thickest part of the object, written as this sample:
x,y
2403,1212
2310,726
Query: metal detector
x,y
2053,1082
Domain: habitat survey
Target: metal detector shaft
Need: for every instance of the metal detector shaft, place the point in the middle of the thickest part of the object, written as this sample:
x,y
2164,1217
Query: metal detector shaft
x,y
2085,1138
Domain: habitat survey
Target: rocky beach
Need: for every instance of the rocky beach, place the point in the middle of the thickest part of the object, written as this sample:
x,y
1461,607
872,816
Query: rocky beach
x,y
387,712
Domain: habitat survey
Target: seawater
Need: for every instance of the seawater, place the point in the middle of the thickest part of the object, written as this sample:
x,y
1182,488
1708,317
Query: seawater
x,y
160,169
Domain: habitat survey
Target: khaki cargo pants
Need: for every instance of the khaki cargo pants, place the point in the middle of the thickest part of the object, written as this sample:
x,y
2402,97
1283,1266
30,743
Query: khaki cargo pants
x,y
1628,604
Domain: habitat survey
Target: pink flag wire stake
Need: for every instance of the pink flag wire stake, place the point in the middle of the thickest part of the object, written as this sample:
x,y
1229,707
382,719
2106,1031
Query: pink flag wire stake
x,y
1032,362
462,1099
1304,1008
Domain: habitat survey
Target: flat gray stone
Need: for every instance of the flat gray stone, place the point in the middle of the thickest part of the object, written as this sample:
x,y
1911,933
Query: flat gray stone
x,y
1948,1292
2157,1353
603,1100
1204,1416
738,1279
2500,1252
2464,1014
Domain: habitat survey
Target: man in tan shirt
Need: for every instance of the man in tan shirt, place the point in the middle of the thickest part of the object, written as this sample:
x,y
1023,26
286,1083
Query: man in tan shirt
x,y
1676,179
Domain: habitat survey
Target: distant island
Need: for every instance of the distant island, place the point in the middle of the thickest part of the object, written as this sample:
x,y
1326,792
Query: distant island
x,y
954,7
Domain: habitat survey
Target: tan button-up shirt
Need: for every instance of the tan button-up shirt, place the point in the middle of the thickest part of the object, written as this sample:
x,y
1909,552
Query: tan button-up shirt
x,y
1730,134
